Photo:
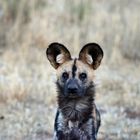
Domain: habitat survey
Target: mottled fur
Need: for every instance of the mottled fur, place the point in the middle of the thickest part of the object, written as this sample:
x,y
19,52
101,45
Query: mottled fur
x,y
77,117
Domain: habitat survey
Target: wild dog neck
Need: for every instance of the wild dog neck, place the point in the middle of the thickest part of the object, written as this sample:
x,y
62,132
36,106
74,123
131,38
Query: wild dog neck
x,y
79,109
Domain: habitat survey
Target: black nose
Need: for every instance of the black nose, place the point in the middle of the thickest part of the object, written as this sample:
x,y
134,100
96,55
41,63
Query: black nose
x,y
72,86
72,89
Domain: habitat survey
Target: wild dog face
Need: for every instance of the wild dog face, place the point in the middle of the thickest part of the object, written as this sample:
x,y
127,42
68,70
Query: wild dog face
x,y
74,76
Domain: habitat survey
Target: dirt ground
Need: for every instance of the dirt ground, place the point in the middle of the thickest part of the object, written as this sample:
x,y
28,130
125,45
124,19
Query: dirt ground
x,y
27,81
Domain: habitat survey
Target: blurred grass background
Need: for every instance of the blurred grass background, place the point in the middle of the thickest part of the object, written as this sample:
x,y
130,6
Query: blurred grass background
x,y
27,89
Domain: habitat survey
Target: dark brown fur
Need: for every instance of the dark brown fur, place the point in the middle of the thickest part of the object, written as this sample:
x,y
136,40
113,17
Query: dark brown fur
x,y
76,108
77,117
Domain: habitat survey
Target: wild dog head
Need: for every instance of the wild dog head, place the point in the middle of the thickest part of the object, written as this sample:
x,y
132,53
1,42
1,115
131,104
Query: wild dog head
x,y
74,76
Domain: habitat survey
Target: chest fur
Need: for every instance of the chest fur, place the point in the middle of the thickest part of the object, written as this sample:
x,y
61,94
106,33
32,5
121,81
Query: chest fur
x,y
76,109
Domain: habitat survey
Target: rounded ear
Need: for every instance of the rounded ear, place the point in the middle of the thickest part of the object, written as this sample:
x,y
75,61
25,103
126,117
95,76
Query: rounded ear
x,y
91,54
57,54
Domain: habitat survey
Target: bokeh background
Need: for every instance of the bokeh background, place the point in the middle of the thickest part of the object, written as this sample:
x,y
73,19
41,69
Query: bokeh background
x,y
27,89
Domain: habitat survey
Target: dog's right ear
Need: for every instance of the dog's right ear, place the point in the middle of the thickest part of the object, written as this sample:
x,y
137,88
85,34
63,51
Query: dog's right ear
x,y
57,54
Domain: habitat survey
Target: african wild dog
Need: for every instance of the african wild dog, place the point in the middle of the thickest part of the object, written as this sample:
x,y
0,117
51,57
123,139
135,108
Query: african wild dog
x,y
77,117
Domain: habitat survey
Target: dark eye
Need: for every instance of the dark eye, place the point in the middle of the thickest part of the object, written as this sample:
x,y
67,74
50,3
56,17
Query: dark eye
x,y
65,75
83,76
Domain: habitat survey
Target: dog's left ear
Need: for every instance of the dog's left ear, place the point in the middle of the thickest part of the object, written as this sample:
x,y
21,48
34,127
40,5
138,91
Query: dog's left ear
x,y
91,54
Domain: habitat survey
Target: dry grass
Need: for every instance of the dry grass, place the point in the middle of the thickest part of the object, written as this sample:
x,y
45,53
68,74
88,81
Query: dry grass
x,y
27,89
